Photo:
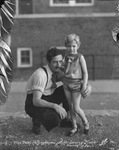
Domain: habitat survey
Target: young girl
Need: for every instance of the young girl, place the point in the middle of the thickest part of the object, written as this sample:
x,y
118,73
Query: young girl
x,y
75,81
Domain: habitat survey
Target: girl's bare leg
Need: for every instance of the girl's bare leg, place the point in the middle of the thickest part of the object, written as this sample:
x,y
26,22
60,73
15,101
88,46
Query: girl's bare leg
x,y
68,96
72,113
76,97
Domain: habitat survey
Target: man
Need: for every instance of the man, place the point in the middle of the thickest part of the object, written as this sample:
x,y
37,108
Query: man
x,y
44,97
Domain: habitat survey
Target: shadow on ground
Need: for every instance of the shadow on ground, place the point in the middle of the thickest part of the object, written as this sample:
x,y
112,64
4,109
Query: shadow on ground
x,y
15,134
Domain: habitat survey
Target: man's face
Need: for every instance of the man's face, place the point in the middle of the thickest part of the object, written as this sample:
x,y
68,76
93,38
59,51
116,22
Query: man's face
x,y
56,63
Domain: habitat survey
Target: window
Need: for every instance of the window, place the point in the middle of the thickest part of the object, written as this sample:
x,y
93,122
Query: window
x,y
24,57
71,2
24,6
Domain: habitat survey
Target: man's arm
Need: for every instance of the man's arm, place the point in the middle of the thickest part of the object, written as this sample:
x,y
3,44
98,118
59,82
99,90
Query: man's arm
x,y
37,101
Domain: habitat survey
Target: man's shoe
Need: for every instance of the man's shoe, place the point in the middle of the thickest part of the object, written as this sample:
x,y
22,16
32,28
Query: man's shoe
x,y
66,123
36,130
36,126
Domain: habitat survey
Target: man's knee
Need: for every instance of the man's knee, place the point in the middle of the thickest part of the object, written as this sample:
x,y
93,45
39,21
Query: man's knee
x,y
51,119
29,105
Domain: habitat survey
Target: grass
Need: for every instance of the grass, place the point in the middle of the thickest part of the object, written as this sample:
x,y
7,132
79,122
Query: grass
x,y
15,134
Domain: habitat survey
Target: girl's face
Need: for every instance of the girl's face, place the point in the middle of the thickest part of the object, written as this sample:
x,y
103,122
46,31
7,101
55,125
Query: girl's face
x,y
72,47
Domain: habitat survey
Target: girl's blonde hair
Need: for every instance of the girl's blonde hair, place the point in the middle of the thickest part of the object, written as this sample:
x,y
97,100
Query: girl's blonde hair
x,y
72,37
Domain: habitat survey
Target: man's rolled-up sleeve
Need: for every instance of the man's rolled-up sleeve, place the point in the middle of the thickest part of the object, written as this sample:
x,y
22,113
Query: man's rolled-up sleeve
x,y
39,81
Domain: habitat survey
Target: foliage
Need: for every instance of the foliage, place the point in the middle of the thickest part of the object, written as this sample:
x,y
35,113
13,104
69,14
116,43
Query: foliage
x,y
6,62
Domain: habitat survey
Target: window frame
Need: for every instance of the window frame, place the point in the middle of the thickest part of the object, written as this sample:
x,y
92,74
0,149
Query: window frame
x,y
19,57
17,9
71,4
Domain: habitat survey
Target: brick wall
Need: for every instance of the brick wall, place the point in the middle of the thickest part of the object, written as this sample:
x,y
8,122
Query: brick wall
x,y
40,34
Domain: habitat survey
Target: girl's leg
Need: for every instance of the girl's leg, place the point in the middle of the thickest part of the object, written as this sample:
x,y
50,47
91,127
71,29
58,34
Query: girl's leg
x,y
68,97
76,97
72,113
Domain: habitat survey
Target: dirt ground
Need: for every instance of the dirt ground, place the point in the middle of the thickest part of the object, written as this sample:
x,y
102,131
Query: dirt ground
x,y
15,134
15,128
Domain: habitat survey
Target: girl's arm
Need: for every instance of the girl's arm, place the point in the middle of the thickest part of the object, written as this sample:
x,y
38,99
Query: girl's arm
x,y
84,72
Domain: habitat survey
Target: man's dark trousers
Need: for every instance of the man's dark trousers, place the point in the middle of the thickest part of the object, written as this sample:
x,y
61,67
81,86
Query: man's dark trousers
x,y
48,117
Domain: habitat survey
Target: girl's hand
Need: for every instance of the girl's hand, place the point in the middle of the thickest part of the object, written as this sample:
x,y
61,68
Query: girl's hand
x,y
83,88
87,91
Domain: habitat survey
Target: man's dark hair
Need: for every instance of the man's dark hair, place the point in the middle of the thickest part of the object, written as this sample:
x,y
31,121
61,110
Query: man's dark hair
x,y
52,52
117,36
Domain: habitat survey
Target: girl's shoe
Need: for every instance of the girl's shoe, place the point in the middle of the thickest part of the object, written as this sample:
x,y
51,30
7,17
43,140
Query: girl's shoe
x,y
73,131
86,128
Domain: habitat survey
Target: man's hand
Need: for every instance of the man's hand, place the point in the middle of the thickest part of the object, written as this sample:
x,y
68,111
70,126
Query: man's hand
x,y
87,92
60,74
60,110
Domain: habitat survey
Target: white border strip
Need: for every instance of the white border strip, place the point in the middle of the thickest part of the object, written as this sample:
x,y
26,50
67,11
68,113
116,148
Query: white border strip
x,y
71,3
64,15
